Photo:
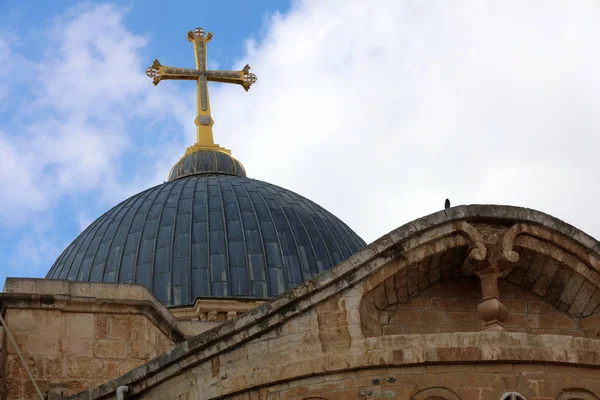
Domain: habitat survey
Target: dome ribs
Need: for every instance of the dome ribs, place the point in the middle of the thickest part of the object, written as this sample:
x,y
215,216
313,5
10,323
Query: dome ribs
x,y
288,243
274,253
86,270
181,245
209,236
148,253
218,249
236,239
165,267
63,264
299,234
323,258
136,237
249,219
126,266
113,265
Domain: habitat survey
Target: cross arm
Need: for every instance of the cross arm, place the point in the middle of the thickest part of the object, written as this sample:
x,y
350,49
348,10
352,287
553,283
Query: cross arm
x,y
243,77
159,72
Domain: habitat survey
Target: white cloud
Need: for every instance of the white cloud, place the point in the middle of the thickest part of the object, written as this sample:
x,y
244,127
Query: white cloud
x,y
73,134
379,110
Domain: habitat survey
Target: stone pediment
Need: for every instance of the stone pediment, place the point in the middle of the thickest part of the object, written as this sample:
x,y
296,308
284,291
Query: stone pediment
x,y
333,322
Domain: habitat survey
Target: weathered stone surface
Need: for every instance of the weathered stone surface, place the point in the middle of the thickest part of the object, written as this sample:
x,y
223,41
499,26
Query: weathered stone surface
x,y
292,337
66,340
79,324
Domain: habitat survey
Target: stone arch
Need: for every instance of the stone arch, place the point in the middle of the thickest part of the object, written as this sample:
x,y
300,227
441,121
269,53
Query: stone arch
x,y
515,383
576,394
553,266
435,393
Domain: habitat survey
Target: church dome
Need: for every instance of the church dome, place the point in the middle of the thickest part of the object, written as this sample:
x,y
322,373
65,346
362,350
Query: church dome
x,y
209,235
209,231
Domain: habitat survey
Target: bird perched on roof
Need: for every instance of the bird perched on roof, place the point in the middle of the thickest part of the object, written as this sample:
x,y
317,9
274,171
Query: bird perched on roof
x,y
447,204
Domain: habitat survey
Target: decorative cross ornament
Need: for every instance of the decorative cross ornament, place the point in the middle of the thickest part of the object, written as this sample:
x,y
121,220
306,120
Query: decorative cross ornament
x,y
204,121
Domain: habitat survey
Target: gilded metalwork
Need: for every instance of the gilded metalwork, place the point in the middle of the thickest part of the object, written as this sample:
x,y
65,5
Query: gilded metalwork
x,y
204,121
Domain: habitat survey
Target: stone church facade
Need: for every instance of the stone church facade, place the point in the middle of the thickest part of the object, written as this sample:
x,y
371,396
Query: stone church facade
x,y
471,303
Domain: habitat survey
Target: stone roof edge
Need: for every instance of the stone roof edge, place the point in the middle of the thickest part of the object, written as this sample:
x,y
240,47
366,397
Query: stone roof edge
x,y
77,296
295,301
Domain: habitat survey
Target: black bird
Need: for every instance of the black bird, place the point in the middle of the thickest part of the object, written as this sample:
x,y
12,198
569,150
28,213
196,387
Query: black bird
x,y
447,204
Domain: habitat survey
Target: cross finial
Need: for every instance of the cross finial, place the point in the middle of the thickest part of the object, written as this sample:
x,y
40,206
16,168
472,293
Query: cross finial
x,y
204,121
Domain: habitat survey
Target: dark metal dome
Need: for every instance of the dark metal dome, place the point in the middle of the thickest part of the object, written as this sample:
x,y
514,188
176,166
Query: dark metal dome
x,y
207,162
209,236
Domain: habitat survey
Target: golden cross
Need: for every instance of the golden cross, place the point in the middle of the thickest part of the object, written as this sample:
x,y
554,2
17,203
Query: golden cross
x,y
204,121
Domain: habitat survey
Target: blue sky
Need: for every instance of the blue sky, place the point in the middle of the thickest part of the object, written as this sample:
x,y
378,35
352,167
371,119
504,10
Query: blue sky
x,y
376,110
33,234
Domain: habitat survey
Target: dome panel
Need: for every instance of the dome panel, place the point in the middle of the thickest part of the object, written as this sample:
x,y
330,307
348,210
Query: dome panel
x,y
209,236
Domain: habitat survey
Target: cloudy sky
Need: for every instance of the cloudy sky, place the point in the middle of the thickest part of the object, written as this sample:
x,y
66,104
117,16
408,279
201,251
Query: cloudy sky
x,y
375,109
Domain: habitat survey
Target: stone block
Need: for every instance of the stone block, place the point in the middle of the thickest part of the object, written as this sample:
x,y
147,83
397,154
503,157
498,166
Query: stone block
x,y
138,349
461,319
110,348
19,285
551,321
48,322
127,365
454,304
418,303
81,289
540,306
128,327
51,287
53,368
132,292
43,344
22,341
110,369
79,324
515,305
29,391
77,346
105,290
101,328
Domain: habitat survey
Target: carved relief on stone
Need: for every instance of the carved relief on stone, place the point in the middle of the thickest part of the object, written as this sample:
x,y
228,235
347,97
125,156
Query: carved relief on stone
x,y
490,258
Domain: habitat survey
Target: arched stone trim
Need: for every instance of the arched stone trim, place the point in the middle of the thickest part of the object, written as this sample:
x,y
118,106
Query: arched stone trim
x,y
516,384
435,392
576,394
580,294
493,252
557,239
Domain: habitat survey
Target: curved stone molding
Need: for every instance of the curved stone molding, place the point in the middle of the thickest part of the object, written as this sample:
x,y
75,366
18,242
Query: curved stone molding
x,y
515,385
435,394
479,253
576,394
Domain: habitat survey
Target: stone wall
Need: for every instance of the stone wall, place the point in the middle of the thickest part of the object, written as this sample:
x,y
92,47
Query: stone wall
x,y
439,382
310,342
450,305
78,335
326,342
